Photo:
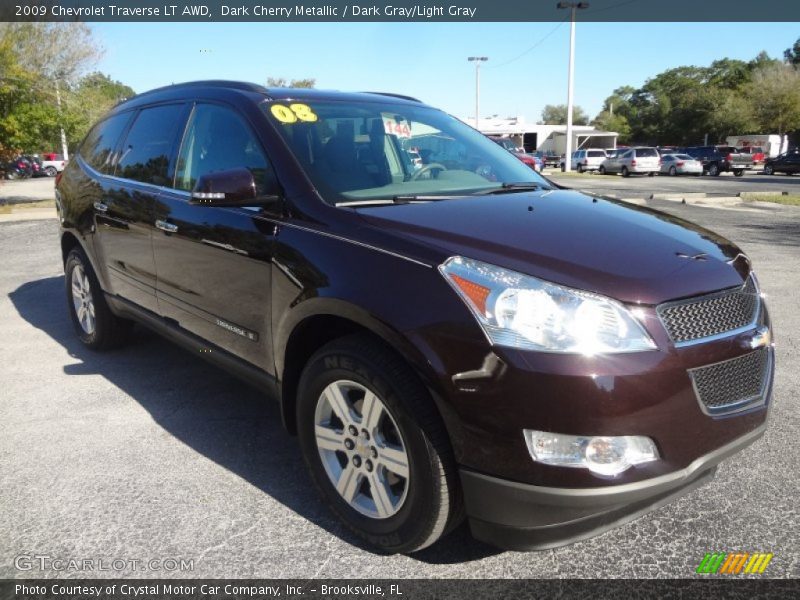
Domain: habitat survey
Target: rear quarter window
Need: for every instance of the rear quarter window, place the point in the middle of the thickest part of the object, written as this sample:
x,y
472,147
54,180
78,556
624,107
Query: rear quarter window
x,y
597,153
646,152
98,147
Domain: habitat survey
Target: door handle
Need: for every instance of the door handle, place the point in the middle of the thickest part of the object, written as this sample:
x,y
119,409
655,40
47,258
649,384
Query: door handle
x,y
168,227
100,207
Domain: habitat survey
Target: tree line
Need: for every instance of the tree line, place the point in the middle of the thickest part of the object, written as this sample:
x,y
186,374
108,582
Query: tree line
x,y
47,84
689,104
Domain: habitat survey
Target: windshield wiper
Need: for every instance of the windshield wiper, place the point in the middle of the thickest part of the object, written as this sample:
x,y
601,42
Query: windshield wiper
x,y
399,199
517,186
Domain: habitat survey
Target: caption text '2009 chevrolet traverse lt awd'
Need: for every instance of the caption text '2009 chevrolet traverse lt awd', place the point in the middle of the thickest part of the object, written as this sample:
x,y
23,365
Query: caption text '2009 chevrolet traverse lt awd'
x,y
448,333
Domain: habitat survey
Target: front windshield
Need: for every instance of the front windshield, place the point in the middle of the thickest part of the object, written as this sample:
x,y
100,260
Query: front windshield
x,y
362,151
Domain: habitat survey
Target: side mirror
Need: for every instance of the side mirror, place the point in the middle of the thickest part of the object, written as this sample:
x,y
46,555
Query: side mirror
x,y
233,187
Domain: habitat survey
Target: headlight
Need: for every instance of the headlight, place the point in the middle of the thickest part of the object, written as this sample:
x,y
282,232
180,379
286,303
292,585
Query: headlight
x,y
604,455
521,311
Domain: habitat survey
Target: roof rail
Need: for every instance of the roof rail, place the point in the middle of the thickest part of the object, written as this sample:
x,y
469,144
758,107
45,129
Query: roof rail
x,y
234,85
391,95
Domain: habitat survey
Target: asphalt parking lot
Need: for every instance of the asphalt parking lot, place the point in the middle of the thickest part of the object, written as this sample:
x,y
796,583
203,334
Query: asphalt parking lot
x,y
147,452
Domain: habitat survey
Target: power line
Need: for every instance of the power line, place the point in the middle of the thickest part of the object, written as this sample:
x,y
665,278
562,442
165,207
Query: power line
x,y
536,45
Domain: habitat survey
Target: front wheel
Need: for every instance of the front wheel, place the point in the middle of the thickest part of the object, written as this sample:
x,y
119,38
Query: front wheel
x,y
768,170
376,447
601,170
713,170
96,326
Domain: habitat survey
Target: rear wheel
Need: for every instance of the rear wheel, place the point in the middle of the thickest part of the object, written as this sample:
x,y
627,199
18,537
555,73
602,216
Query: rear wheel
x,y
375,446
50,171
713,170
768,170
625,172
601,170
738,172
673,171
96,326
580,168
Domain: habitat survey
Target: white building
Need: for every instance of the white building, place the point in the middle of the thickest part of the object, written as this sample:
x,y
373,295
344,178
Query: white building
x,y
545,138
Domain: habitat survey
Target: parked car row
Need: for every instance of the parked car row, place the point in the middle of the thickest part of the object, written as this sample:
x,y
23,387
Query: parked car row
x,y
534,161
671,160
22,167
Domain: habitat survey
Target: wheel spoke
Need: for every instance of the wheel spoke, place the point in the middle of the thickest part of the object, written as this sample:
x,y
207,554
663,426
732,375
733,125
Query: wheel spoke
x,y
76,289
349,482
371,411
89,322
394,460
380,495
339,404
328,439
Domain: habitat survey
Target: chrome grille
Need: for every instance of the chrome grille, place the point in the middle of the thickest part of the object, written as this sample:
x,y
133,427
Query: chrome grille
x,y
714,314
734,384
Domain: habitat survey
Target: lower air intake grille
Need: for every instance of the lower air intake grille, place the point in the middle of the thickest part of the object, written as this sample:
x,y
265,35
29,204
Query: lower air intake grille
x,y
734,384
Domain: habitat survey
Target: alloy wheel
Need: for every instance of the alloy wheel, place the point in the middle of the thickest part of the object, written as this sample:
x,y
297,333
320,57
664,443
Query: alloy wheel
x,y
82,300
362,449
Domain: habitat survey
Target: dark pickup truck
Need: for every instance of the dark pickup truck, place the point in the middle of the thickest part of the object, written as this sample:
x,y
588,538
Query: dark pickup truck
x,y
717,159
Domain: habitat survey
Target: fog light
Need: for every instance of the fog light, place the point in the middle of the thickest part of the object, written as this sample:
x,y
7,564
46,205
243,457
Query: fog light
x,y
604,455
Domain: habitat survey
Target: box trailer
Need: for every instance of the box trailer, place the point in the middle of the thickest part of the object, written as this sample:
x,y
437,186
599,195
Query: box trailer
x,y
771,144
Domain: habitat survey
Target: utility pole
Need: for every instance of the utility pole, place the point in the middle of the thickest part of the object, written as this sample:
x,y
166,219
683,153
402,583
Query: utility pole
x,y
572,6
64,149
477,60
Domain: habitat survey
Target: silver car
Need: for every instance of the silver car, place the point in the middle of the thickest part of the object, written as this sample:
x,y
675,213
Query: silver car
x,y
680,164
641,159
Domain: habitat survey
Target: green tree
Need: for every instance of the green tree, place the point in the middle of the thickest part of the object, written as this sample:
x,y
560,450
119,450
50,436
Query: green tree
x,y
792,55
775,96
556,114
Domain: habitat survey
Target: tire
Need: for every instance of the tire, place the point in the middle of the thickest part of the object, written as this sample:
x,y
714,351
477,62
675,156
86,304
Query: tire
x,y
713,170
673,171
97,327
50,171
580,168
651,174
738,172
768,170
420,501
601,170
11,175
625,172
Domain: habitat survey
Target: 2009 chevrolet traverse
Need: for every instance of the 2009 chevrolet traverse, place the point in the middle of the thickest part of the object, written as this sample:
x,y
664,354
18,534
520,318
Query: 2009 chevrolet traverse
x,y
448,333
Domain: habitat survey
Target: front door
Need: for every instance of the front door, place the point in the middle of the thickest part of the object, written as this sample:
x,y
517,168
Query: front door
x,y
213,263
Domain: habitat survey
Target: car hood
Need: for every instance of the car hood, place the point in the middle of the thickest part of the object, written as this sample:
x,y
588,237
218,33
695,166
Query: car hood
x,y
627,252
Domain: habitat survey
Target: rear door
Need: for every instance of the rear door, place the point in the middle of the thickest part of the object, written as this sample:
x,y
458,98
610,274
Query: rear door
x,y
214,263
138,168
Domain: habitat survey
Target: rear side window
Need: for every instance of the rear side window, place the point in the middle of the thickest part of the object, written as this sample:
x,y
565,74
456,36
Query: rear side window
x,y
646,152
146,152
218,139
597,153
98,147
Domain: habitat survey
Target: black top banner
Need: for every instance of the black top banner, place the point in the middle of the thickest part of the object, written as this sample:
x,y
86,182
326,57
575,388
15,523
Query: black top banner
x,y
400,10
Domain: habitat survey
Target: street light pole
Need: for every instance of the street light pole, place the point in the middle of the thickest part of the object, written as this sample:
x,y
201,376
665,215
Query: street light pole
x,y
572,6
477,60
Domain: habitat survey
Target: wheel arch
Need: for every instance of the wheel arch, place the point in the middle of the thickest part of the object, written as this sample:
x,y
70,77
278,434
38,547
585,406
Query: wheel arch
x,y
319,321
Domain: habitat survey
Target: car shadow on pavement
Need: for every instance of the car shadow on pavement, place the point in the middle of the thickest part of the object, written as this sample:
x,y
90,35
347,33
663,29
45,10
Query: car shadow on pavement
x,y
213,413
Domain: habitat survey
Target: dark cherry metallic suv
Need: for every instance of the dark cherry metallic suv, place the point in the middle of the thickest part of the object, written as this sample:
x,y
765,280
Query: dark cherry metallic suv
x,y
447,332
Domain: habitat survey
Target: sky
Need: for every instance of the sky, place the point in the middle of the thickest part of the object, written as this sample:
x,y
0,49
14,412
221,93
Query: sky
x,y
527,66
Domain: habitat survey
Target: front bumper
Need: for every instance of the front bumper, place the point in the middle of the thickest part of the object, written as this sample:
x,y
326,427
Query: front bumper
x,y
518,516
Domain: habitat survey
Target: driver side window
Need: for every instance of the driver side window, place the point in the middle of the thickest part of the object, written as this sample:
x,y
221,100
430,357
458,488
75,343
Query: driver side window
x,y
218,139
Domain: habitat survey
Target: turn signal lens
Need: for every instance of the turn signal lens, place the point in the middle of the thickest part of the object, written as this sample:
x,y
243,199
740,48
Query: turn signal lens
x,y
475,292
